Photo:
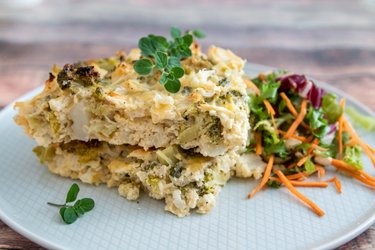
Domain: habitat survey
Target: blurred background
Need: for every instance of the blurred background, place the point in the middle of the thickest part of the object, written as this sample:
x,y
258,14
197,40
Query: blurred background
x,y
333,41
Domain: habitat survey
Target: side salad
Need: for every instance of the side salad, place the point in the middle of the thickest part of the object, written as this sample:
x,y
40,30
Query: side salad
x,y
300,130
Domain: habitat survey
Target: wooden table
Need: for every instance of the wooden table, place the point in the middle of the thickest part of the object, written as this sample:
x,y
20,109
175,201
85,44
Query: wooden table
x,y
333,41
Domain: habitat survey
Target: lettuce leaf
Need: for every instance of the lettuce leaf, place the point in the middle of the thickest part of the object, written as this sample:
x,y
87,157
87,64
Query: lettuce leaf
x,y
331,108
353,156
359,120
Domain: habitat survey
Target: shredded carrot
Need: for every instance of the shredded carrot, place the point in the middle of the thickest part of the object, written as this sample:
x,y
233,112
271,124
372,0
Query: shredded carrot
x,y
258,139
350,143
314,145
296,176
310,138
250,84
265,177
361,179
364,146
339,134
294,191
303,160
371,148
302,183
367,175
289,104
292,165
272,113
337,183
294,136
355,173
297,121
321,171
262,76
342,165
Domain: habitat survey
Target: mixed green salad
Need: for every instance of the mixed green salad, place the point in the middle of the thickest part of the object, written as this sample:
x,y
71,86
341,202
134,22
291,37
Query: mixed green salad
x,y
300,130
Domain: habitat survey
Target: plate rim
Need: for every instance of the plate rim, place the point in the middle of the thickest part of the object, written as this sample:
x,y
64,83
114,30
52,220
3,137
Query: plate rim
x,y
330,244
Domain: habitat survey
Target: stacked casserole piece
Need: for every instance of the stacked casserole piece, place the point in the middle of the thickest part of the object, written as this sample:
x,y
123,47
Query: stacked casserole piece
x,y
101,122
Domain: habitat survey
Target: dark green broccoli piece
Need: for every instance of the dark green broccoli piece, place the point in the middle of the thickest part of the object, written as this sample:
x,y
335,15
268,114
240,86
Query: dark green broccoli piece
x,y
84,75
215,130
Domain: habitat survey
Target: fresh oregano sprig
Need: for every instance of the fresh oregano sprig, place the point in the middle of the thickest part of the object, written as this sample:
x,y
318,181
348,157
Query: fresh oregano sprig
x,y
163,55
70,213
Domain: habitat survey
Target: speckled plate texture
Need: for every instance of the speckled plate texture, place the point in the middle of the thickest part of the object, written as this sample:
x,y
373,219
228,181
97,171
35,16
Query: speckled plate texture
x,y
273,219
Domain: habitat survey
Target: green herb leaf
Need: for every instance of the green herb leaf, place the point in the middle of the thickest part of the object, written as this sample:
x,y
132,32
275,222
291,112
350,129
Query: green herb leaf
x,y
78,209
68,215
161,59
146,46
143,66
188,40
173,62
177,72
172,86
159,43
175,32
72,193
87,204
166,55
199,34
163,78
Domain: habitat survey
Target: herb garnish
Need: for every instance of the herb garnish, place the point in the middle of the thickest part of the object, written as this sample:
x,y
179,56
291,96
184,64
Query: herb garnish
x,y
70,213
165,56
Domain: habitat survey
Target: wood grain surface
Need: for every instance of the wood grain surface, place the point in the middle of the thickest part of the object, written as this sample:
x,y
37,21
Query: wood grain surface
x,y
333,41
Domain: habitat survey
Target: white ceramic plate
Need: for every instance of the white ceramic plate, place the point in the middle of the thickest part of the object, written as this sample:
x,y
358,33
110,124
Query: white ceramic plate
x,y
272,219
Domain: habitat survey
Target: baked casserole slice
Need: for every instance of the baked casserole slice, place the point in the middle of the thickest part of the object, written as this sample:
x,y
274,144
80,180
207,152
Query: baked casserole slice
x,y
184,179
106,100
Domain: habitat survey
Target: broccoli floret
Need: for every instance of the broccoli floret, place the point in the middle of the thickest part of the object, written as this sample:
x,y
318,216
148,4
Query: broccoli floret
x,y
215,130
84,75
176,170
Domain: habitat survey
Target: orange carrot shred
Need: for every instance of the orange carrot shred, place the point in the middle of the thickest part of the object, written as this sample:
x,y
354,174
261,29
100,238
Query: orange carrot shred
x,y
364,146
265,177
258,139
310,138
296,176
272,113
303,160
262,76
292,165
350,143
297,121
294,191
321,171
337,183
253,86
303,183
355,173
294,136
314,144
289,104
371,149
